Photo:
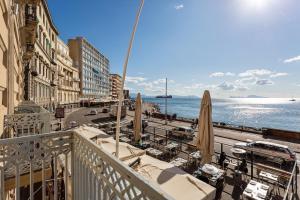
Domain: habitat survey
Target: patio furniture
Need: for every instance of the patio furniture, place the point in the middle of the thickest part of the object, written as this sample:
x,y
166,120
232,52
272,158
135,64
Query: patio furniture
x,y
125,139
223,160
195,157
159,140
172,148
214,174
145,137
256,190
179,162
154,152
273,178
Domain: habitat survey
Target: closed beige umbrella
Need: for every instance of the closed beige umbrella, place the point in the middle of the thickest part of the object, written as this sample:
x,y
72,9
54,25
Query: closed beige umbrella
x,y
205,137
137,123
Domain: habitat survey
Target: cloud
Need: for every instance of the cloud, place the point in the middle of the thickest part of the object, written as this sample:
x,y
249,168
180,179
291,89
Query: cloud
x,y
135,79
294,59
179,6
264,82
159,81
226,86
221,74
275,75
255,72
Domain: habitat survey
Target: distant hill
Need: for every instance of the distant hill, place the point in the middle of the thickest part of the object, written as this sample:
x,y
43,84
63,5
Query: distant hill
x,y
249,96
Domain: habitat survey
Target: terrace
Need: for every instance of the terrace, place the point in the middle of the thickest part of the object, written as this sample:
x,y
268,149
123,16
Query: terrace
x,y
71,165
80,164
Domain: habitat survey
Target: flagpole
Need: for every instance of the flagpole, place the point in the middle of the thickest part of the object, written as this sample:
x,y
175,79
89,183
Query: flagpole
x,y
124,76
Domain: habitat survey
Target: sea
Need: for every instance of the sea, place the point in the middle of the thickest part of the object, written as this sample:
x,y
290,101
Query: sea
x,y
279,113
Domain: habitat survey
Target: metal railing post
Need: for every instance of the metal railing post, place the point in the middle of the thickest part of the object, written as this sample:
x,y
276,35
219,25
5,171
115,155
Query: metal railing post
x,y
296,181
221,147
166,131
251,164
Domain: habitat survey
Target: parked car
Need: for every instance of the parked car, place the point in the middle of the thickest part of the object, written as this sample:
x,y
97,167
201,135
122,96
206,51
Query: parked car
x,y
73,124
105,110
273,152
93,112
182,132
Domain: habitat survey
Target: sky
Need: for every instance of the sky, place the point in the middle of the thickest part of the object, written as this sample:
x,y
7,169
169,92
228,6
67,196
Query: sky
x,y
229,47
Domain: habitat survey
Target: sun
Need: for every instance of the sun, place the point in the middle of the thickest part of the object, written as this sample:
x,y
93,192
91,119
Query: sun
x,y
256,4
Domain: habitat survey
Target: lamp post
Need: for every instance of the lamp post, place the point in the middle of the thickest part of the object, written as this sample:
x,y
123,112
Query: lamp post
x,y
166,103
121,97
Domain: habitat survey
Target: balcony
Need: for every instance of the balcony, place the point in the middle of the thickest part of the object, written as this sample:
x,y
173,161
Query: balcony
x,y
29,51
60,73
34,71
76,79
72,159
53,83
31,21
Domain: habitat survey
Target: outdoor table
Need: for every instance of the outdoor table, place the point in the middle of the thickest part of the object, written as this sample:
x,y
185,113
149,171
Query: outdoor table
x,y
154,152
179,162
145,137
196,155
256,190
145,144
125,139
211,172
172,146
270,178
159,140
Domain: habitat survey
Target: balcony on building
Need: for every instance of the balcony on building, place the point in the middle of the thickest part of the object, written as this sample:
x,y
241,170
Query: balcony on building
x,y
31,20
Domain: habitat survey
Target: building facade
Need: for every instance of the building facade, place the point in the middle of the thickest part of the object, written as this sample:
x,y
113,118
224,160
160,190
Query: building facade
x,y
93,69
68,77
11,62
115,85
41,69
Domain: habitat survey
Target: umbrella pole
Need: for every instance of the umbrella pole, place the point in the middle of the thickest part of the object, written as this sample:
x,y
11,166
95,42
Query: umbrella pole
x,y
124,77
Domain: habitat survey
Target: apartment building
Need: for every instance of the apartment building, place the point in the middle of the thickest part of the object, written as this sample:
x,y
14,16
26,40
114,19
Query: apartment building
x,y
93,68
41,71
68,77
11,63
115,85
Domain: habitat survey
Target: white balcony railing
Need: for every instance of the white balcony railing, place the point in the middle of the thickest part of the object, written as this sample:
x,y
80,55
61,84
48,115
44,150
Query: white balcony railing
x,y
70,159
17,125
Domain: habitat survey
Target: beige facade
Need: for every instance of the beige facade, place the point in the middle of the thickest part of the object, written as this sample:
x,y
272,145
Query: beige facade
x,y
45,59
68,77
115,85
40,38
11,68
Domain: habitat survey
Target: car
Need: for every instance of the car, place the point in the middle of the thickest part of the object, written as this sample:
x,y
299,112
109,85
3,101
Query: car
x,y
276,153
105,110
182,132
93,112
73,124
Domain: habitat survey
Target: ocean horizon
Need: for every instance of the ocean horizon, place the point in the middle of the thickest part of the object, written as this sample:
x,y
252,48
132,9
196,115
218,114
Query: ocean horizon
x,y
278,113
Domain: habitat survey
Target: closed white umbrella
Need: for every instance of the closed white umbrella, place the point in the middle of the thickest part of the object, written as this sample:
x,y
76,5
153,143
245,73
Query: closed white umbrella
x,y
137,123
205,137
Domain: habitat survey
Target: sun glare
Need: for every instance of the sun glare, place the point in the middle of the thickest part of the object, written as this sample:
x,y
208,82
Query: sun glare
x,y
256,4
